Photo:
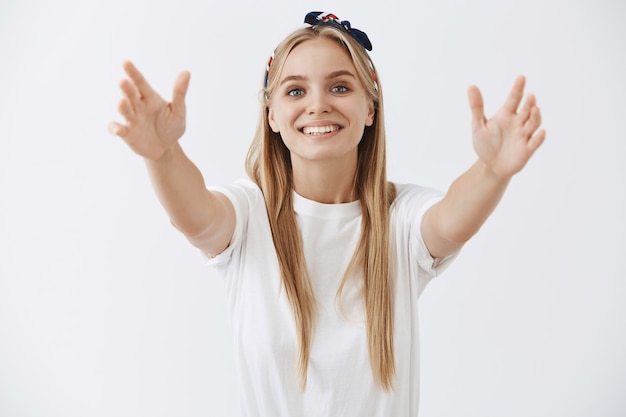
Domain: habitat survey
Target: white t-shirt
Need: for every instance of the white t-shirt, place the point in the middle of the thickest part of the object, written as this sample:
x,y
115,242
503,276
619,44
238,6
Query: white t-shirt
x,y
339,380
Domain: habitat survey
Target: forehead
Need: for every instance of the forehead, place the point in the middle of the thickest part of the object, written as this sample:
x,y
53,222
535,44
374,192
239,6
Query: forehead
x,y
317,55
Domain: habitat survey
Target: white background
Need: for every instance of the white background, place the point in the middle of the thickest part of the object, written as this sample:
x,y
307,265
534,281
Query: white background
x,y
105,310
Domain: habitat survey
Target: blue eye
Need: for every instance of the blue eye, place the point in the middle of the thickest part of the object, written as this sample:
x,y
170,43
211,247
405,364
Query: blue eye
x,y
340,89
295,92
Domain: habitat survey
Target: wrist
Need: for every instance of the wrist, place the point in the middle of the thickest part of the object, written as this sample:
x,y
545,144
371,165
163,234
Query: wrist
x,y
167,156
492,174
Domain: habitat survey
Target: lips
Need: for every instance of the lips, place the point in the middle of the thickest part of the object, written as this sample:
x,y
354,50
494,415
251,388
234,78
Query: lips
x,y
319,130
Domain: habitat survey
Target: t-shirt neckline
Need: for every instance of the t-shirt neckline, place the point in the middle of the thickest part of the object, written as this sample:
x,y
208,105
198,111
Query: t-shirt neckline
x,y
304,206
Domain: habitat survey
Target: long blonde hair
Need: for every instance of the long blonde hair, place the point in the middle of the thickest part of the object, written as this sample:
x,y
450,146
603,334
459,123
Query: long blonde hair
x,y
268,163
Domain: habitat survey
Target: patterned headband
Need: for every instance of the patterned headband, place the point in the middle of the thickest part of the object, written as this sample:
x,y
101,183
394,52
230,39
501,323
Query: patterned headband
x,y
328,19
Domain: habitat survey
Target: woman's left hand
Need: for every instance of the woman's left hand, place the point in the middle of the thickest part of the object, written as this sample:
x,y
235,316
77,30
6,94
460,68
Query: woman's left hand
x,y
506,142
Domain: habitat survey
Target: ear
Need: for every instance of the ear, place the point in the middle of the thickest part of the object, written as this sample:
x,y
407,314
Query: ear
x,y
272,120
371,113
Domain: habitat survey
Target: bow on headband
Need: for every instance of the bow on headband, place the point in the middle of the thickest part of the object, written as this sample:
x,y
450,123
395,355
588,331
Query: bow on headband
x,y
329,19
322,18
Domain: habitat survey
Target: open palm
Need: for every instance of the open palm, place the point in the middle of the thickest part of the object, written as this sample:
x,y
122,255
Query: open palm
x,y
506,142
152,125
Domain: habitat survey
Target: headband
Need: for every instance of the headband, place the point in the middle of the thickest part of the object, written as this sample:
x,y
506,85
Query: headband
x,y
329,19
314,19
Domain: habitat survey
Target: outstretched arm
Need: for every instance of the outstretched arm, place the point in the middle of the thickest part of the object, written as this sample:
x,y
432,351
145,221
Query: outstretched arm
x,y
504,144
152,129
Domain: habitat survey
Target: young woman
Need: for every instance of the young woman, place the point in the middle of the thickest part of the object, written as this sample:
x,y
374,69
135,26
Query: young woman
x,y
323,258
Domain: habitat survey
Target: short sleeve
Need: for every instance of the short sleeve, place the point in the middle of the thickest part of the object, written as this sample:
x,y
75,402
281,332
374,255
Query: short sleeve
x,y
432,266
407,213
242,195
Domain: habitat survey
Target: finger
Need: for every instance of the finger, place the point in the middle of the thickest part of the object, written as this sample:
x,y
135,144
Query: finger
x,y
536,140
126,109
117,129
515,96
181,85
524,112
533,122
477,107
137,78
130,93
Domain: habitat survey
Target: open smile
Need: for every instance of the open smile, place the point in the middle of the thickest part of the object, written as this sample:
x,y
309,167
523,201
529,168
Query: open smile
x,y
319,130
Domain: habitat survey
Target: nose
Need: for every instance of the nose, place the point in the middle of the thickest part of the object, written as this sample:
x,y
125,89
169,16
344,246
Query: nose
x,y
318,102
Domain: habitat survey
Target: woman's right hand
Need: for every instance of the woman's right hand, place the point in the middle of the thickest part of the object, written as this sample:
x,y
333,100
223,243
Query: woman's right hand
x,y
152,125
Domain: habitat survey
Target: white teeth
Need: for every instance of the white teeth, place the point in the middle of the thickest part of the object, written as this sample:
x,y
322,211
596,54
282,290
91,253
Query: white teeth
x,y
319,130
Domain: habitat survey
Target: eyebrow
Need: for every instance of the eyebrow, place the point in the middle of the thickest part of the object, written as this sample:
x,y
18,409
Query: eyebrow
x,y
330,76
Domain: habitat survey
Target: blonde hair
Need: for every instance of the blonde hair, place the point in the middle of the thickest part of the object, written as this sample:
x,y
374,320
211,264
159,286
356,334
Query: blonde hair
x,y
268,163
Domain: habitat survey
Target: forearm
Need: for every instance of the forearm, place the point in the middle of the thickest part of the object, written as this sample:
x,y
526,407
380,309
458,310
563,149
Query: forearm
x,y
504,145
470,200
181,189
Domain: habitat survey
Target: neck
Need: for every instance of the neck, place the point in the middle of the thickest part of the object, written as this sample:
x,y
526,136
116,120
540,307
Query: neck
x,y
325,181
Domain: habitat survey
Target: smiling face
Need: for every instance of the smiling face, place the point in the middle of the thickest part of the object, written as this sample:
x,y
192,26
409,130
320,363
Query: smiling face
x,y
319,107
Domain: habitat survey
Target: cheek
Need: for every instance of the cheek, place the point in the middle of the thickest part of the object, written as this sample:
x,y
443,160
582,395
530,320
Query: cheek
x,y
283,117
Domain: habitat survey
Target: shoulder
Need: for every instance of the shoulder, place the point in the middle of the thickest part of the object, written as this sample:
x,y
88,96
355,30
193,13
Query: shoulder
x,y
411,203
413,194
241,193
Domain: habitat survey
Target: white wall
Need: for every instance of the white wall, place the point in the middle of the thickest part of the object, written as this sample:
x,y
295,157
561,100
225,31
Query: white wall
x,y
105,310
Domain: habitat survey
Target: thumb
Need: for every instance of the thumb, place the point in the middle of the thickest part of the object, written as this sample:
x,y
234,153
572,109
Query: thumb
x,y
180,89
477,107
